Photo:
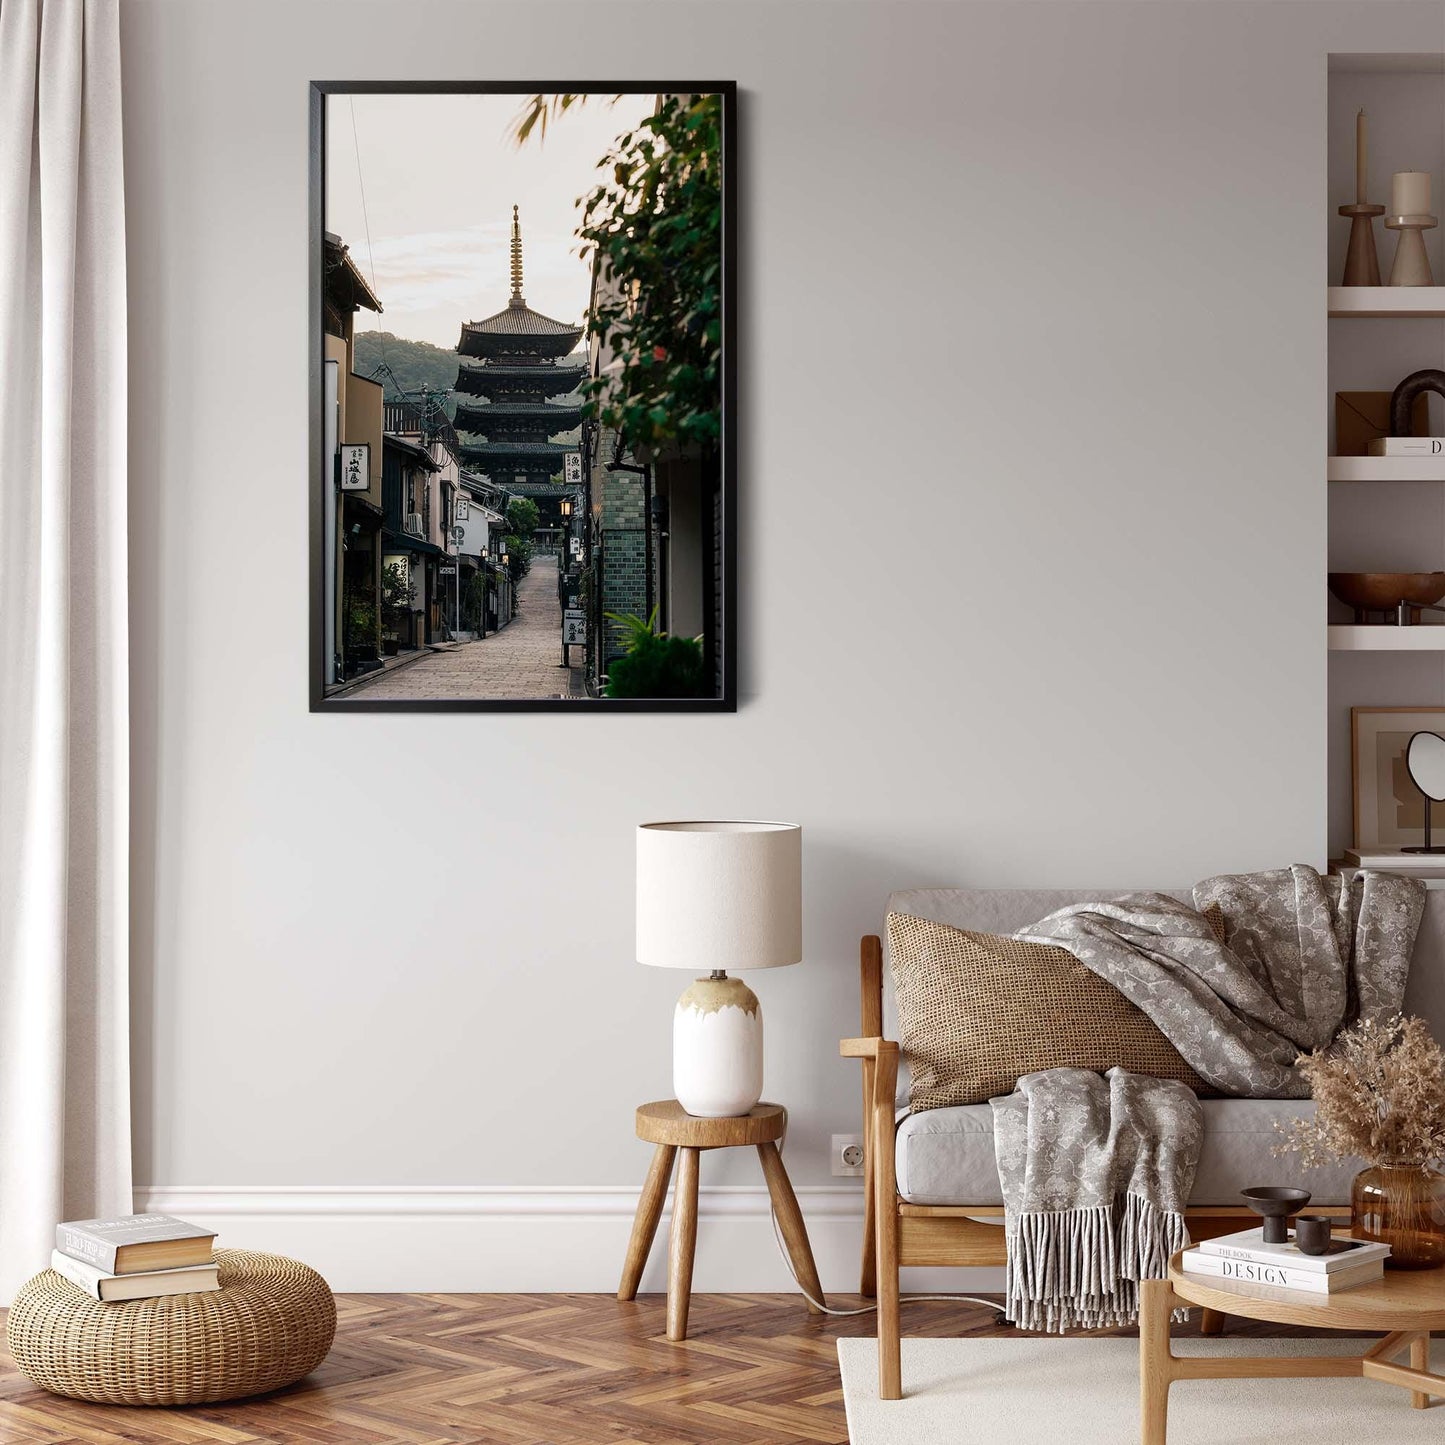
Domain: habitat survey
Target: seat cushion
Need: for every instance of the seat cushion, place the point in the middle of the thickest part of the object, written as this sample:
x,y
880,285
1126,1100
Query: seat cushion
x,y
945,1156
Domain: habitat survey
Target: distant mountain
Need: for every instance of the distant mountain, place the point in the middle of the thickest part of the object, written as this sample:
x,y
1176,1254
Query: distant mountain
x,y
413,365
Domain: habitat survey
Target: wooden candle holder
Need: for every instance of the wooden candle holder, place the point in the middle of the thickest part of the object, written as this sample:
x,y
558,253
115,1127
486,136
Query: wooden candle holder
x,y
1412,265
1362,265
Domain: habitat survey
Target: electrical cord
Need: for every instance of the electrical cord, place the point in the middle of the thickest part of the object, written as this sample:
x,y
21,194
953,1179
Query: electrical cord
x,y
865,1309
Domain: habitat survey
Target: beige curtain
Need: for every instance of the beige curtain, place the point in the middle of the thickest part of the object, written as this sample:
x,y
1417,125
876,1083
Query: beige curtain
x,y
64,806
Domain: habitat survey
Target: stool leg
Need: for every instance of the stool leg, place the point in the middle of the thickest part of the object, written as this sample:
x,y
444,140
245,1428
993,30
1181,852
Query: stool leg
x,y
790,1221
644,1223
681,1244
1420,1360
1211,1322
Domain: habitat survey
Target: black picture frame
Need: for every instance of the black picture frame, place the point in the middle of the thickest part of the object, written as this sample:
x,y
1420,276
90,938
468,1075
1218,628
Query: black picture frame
x,y
320,701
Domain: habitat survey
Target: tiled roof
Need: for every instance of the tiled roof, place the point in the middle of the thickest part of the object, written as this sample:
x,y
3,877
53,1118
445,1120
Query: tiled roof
x,y
474,416
486,450
518,319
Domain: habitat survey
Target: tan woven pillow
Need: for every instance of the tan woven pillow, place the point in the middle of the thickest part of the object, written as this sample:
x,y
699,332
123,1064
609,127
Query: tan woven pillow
x,y
976,1012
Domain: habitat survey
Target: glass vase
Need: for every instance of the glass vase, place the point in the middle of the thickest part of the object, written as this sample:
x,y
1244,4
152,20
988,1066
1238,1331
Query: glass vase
x,y
1402,1205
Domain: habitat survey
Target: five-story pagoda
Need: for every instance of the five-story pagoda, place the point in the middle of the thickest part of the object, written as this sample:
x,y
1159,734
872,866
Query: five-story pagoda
x,y
504,395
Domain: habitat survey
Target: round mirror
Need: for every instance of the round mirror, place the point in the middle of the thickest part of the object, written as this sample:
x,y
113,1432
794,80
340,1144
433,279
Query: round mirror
x,y
1425,758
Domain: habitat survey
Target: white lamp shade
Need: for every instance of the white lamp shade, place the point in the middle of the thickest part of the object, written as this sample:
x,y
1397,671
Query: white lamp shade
x,y
713,895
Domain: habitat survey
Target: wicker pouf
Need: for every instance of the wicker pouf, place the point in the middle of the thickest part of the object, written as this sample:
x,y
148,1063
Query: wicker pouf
x,y
271,1322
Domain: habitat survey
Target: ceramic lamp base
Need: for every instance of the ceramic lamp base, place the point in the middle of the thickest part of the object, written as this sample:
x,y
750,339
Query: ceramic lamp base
x,y
717,1048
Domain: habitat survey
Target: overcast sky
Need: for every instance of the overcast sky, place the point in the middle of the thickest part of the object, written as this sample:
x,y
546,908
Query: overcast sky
x,y
440,175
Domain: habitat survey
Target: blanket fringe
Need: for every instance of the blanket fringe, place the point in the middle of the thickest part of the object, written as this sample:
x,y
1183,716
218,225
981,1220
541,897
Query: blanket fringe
x,y
1080,1268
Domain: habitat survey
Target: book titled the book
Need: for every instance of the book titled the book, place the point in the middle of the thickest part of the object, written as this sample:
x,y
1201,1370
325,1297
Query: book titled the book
x,y
149,1284
1250,1271
1408,447
135,1242
1343,1253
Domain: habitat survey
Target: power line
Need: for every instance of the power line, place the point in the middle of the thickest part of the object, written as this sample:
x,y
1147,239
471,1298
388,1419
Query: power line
x,y
365,218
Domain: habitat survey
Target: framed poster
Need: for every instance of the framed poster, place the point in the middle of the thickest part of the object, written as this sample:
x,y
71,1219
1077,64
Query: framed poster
x,y
522,342
1389,808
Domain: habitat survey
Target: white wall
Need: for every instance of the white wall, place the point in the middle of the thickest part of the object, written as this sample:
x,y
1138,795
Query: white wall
x,y
1033,337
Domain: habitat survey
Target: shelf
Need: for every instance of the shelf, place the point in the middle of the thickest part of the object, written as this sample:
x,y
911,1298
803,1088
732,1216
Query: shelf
x,y
1424,637
1415,301
1386,469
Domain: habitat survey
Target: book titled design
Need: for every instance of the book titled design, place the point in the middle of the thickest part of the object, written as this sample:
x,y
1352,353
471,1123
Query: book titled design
x,y
1250,1244
135,1242
1408,447
1249,1271
150,1284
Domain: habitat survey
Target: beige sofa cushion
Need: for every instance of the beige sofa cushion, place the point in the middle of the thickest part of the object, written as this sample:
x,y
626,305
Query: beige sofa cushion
x,y
946,1156
977,1011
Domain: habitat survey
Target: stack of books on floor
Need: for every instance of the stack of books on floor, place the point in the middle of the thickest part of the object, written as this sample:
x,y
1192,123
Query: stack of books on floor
x,y
139,1256
1245,1258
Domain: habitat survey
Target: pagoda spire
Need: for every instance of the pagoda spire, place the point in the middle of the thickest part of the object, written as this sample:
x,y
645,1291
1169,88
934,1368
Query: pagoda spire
x,y
516,260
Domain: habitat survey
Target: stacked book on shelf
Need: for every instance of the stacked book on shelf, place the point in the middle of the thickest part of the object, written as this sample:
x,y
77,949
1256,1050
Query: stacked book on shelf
x,y
1429,868
1407,447
1246,1258
139,1256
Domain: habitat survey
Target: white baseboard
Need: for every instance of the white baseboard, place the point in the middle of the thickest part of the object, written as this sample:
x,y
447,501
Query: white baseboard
x,y
561,1239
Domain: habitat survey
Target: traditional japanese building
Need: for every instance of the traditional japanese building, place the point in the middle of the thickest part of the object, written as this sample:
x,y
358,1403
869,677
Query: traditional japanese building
x,y
353,552
513,366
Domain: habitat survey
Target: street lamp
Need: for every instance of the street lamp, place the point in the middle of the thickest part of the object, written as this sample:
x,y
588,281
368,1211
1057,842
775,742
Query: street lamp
x,y
458,535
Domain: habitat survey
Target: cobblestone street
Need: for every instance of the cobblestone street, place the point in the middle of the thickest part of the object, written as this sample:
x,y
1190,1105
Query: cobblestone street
x,y
519,661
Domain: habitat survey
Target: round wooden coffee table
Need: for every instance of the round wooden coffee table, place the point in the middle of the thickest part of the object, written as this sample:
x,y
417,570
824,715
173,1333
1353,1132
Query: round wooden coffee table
x,y
1405,1304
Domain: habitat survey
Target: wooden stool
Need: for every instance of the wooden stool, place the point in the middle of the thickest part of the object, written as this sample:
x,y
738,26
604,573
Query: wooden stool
x,y
666,1124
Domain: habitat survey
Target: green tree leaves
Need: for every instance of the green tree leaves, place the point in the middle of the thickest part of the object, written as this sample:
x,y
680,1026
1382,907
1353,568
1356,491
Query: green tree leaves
x,y
656,233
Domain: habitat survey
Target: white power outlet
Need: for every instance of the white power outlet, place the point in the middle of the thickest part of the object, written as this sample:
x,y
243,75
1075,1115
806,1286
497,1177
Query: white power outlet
x,y
847,1155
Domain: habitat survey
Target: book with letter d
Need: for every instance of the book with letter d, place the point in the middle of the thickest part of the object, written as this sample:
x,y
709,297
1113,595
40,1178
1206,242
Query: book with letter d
x,y
1408,447
1283,1276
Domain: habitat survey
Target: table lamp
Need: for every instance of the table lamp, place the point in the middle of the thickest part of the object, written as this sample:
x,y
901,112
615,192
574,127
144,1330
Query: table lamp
x,y
714,897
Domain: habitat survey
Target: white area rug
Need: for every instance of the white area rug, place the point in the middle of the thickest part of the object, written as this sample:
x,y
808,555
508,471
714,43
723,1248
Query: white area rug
x,y
1033,1391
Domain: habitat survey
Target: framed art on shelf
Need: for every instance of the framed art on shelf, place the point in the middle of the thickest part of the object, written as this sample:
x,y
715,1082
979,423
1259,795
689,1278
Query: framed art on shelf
x,y
1389,808
522,381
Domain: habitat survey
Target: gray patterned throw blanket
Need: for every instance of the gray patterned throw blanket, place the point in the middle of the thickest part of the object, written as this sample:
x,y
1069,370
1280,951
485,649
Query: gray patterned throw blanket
x,y
1096,1171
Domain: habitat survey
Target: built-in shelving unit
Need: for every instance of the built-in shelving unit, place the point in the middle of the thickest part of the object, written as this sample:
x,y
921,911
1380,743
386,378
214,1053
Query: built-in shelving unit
x,y
1380,301
1383,638
1386,469
1378,335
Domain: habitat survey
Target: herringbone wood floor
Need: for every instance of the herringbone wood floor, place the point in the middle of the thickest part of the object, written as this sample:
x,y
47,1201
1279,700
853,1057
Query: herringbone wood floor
x,y
527,1370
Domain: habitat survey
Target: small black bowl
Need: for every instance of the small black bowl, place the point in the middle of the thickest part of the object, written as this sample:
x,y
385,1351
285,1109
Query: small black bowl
x,y
1312,1233
1275,1203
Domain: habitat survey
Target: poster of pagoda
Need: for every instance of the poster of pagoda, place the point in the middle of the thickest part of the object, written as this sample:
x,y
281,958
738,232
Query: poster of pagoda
x,y
522,489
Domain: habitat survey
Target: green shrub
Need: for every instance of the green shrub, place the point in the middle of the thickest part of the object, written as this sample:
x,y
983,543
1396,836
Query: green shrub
x,y
655,664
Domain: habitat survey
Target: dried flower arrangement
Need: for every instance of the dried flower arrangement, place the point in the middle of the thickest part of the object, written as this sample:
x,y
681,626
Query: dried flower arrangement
x,y
1379,1092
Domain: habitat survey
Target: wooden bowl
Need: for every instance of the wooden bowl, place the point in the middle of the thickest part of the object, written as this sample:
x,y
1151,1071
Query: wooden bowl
x,y
1385,591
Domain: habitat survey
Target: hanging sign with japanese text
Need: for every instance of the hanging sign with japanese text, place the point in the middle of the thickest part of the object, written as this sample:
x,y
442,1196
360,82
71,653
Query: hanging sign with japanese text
x,y
572,469
355,466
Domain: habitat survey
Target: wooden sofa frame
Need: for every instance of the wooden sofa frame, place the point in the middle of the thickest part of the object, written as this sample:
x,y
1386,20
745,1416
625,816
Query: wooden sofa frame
x,y
897,1234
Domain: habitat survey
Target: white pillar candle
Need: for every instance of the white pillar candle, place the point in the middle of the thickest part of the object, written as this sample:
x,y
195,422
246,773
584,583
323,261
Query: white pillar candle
x,y
1362,165
1410,193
